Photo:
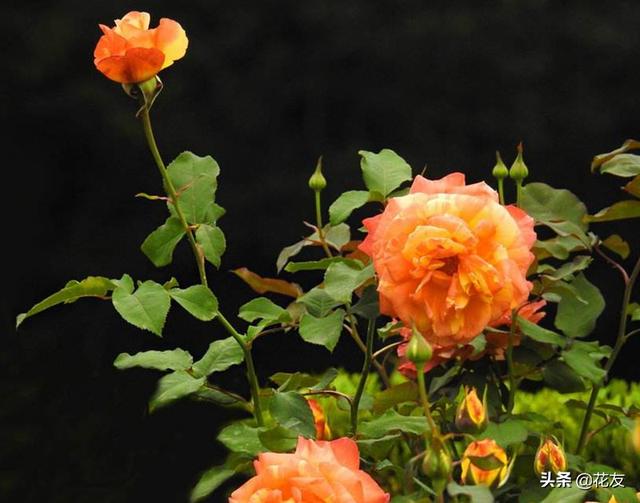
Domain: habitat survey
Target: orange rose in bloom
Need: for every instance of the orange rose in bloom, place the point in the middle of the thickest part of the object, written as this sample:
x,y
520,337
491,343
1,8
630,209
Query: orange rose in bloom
x,y
317,472
450,258
130,52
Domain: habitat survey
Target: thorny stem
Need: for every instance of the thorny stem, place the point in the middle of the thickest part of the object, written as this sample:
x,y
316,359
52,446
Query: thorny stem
x,y
621,338
371,329
199,256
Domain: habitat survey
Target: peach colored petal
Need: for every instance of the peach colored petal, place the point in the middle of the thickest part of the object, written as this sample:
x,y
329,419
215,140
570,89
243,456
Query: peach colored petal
x,y
172,40
137,65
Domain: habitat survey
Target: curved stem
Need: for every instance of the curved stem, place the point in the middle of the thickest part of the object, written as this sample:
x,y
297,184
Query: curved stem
x,y
171,192
199,256
424,398
353,331
620,340
371,329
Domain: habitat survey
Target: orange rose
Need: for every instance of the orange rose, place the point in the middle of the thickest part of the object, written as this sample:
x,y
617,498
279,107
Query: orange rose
x,y
130,52
450,258
317,472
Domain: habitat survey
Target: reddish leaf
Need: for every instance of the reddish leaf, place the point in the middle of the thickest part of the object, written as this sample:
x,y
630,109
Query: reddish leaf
x,y
263,285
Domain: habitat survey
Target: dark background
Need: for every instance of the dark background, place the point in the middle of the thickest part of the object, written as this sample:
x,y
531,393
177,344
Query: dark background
x,y
265,88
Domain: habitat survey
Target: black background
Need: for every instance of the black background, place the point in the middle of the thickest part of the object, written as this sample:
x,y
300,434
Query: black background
x,y
265,88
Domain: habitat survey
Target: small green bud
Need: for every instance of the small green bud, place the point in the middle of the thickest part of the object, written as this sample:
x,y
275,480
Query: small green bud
x,y
147,91
317,182
519,170
419,351
437,466
500,170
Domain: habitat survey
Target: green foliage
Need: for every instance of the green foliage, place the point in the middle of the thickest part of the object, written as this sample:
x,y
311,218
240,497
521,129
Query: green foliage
x,y
610,446
93,286
213,243
291,410
146,308
391,421
174,386
159,245
323,331
341,279
220,356
579,308
198,300
175,359
383,172
346,203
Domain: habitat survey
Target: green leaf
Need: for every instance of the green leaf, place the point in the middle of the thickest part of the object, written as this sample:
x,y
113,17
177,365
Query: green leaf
x,y
506,434
293,381
93,286
617,211
337,236
565,495
289,251
174,386
325,379
159,245
265,309
489,462
395,395
194,178
633,311
558,247
625,165
319,265
368,307
291,410
322,331
198,301
318,302
617,245
600,159
342,279
559,376
576,317
392,421
209,481
221,397
342,207
220,356
383,172
581,360
241,437
537,333
213,243
146,308
175,359
278,438
579,263
477,494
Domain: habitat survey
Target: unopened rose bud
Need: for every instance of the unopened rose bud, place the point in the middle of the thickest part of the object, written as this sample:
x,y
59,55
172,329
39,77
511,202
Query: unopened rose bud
x,y
484,462
471,415
635,436
437,466
419,351
323,432
519,170
317,182
550,457
500,170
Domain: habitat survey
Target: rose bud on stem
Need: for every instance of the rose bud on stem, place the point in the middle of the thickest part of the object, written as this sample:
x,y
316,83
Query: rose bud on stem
x,y
471,416
484,462
519,172
550,457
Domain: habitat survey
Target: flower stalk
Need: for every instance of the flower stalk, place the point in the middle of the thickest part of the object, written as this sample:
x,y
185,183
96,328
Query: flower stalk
x,y
199,256
368,356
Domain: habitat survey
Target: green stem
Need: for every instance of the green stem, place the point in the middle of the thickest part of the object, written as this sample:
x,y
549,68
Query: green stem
x,y
173,198
321,236
371,329
501,190
509,355
424,399
621,338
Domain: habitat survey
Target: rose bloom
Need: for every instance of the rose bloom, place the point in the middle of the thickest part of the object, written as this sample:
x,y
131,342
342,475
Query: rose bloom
x,y
323,431
317,472
450,258
130,52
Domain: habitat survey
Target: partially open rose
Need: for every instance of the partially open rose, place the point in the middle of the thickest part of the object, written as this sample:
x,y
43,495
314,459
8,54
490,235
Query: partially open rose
x,y
131,53
316,472
450,258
